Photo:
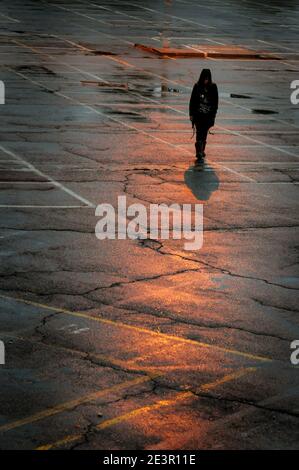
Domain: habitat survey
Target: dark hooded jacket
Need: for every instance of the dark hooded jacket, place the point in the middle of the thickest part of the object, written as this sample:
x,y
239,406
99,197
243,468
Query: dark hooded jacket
x,y
210,98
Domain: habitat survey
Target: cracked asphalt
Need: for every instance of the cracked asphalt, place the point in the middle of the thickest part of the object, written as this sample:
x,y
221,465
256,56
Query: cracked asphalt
x,y
122,344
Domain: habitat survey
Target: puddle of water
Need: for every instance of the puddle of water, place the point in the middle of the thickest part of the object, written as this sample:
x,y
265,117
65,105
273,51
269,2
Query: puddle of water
x,y
264,111
156,91
34,69
103,53
235,95
129,114
122,86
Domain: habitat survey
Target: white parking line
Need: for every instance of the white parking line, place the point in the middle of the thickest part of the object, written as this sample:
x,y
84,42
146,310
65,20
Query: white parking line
x,y
86,16
181,112
125,63
105,115
119,121
44,175
184,20
142,20
277,45
10,18
36,50
213,8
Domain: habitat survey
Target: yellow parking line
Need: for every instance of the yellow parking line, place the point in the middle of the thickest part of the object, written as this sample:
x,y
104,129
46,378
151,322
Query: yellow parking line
x,y
126,366
118,419
71,404
228,378
64,441
193,367
139,329
144,409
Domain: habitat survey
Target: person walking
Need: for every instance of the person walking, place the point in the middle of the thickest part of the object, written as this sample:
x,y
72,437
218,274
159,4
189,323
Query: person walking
x,y
203,108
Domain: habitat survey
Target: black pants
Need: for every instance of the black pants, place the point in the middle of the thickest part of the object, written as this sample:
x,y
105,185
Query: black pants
x,y
202,130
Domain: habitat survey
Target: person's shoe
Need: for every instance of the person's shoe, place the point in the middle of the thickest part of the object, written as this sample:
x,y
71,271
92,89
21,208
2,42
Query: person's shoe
x,y
199,163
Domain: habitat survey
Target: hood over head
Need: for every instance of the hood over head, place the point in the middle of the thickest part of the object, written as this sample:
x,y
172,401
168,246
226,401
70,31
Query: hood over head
x,y
205,74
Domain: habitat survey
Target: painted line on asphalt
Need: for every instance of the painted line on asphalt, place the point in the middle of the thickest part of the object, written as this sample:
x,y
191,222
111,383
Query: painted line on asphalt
x,y
48,412
276,44
184,20
69,405
230,132
156,75
161,140
76,69
142,20
10,18
149,408
159,76
119,419
124,365
119,121
228,378
178,17
146,331
107,23
260,406
31,167
152,372
138,6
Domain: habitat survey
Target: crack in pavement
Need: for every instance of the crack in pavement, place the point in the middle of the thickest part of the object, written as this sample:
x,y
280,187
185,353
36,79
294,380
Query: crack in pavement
x,y
179,320
95,359
211,266
91,430
211,229
250,403
90,291
264,304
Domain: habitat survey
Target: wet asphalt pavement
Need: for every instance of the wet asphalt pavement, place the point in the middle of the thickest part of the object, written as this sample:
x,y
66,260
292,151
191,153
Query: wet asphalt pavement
x,y
140,344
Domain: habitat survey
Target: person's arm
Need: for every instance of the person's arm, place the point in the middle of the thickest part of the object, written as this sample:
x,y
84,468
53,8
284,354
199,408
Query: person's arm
x,y
215,99
192,103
